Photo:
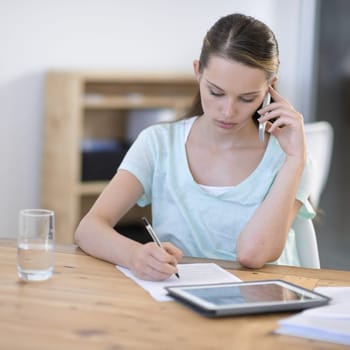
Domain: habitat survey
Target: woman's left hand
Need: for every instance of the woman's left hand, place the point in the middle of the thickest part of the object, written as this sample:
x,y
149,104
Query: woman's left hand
x,y
287,127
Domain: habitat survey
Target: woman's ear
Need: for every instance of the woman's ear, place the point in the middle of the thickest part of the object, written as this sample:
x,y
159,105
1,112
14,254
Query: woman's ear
x,y
274,82
197,69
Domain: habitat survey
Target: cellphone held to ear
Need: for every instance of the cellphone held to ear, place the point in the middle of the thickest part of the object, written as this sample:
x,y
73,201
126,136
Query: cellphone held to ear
x,y
262,126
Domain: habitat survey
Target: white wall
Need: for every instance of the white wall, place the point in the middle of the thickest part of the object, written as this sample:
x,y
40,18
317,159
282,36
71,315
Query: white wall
x,y
37,35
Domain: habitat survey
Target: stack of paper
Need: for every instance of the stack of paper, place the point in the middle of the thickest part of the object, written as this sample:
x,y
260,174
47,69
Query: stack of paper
x,y
327,323
202,273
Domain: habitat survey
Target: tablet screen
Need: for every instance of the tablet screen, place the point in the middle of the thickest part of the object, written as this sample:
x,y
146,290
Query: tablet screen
x,y
242,294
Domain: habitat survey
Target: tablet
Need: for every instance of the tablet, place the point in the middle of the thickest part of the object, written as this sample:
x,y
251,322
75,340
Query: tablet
x,y
239,298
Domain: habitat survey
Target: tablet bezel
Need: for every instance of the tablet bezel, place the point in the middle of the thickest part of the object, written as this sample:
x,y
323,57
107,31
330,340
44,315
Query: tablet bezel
x,y
210,309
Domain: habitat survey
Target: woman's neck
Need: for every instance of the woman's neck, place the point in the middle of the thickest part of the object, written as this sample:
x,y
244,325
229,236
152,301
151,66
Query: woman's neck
x,y
208,135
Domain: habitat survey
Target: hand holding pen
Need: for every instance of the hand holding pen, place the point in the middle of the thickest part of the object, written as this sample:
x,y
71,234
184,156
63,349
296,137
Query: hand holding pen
x,y
155,238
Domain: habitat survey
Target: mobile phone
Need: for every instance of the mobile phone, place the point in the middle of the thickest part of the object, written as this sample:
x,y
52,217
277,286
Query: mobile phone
x,y
262,126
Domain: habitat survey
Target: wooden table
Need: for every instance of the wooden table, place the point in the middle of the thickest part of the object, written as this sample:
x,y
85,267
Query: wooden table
x,y
89,304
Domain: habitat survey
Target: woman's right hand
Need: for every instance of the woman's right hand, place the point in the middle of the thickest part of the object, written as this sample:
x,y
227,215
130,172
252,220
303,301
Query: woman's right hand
x,y
288,126
151,262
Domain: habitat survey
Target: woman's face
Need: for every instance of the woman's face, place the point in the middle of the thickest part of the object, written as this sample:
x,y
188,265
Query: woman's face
x,y
231,92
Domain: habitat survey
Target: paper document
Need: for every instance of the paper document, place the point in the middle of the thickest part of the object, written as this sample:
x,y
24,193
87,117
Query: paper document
x,y
327,323
339,307
199,273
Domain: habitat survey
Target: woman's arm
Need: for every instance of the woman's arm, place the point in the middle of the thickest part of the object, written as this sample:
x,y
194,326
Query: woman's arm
x,y
96,235
265,235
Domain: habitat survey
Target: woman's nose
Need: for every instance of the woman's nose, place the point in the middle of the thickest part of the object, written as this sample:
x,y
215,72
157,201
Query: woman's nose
x,y
229,108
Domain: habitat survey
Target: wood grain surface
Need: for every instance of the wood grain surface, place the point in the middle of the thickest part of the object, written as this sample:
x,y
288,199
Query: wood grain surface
x,y
89,304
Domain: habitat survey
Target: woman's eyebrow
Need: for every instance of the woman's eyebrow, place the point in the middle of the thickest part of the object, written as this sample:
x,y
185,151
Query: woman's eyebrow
x,y
251,93
242,94
215,86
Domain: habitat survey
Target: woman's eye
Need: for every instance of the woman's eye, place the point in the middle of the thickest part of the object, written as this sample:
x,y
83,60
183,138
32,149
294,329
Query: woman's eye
x,y
214,93
247,100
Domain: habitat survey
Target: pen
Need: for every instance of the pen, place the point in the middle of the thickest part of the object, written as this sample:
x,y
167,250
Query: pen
x,y
150,230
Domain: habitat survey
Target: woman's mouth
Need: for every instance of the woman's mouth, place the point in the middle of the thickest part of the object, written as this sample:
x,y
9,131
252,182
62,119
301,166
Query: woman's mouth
x,y
225,125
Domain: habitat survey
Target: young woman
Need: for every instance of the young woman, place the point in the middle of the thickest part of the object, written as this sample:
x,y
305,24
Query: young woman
x,y
216,189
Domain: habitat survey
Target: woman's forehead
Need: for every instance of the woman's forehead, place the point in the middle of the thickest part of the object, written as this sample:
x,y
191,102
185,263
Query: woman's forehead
x,y
228,74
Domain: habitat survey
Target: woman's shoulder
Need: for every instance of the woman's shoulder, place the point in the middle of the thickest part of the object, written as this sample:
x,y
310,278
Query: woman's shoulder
x,y
274,154
166,129
273,148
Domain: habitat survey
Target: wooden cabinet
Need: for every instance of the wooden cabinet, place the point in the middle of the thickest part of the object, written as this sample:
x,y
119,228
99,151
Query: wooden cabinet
x,y
87,105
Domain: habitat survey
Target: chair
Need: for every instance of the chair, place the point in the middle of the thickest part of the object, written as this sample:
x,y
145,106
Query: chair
x,y
319,139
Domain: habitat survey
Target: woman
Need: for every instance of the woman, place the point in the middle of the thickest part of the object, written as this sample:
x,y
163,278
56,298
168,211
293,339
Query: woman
x,y
216,189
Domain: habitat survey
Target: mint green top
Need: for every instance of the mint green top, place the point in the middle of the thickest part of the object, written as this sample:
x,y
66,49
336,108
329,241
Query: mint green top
x,y
204,223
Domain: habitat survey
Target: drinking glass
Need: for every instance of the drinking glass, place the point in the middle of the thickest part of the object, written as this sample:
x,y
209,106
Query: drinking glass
x,y
35,244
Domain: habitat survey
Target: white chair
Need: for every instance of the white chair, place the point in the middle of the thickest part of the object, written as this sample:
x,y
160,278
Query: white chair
x,y
319,138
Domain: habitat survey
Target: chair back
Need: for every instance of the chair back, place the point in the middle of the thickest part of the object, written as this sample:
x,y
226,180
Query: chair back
x,y
319,139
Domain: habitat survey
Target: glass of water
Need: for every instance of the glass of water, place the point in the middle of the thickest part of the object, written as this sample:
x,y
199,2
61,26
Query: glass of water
x,y
35,244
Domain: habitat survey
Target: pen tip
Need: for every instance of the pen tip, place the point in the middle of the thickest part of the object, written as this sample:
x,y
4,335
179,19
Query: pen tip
x,y
177,275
